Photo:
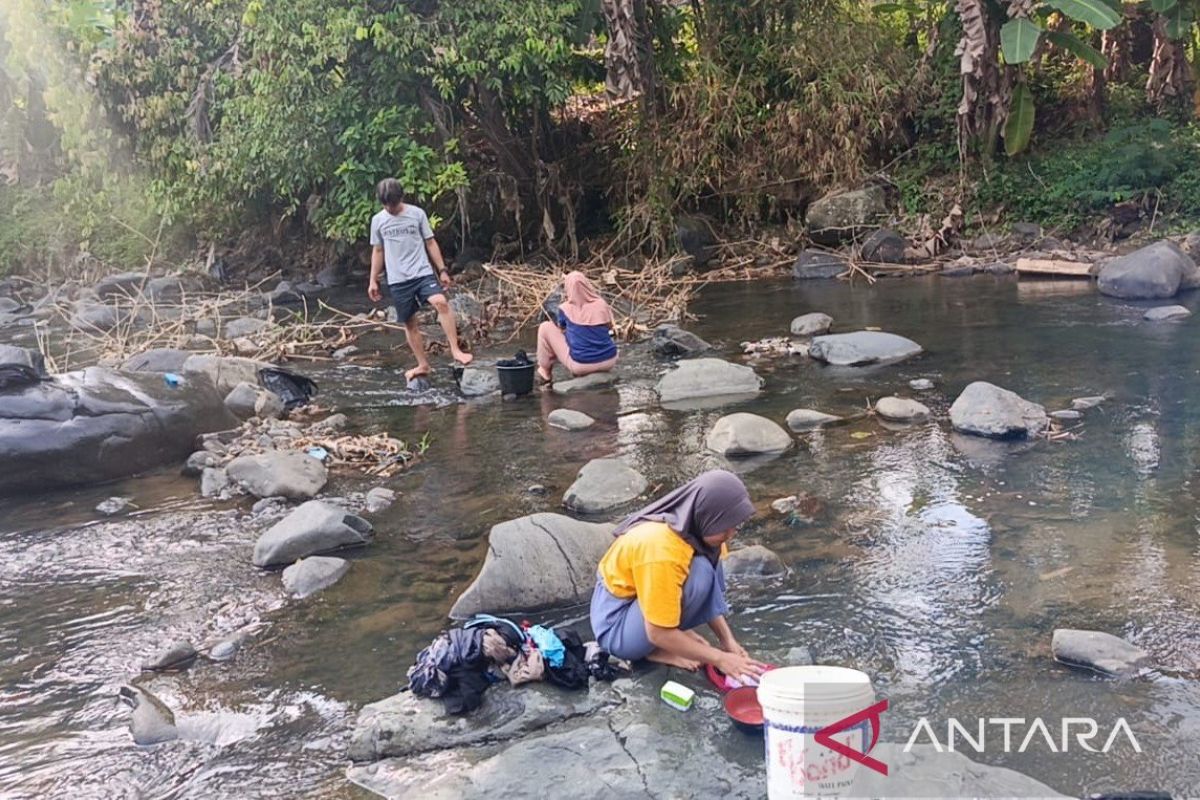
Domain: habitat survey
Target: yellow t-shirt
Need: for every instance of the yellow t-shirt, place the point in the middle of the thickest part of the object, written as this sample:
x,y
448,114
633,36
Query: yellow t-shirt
x,y
650,562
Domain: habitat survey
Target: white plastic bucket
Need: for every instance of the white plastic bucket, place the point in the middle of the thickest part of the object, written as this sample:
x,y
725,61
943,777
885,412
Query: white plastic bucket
x,y
799,701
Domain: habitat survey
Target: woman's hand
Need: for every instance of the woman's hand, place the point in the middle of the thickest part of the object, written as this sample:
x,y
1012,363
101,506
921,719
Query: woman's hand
x,y
740,665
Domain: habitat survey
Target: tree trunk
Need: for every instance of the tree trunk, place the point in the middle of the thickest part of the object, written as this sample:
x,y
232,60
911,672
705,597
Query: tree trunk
x,y
629,54
1170,83
987,86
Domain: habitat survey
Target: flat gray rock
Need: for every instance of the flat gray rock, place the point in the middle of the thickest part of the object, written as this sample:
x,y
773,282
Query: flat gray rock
x,y
753,561
813,324
1066,415
597,380
920,384
818,265
568,420
404,724
744,434
175,656
707,377
602,485
1087,403
806,419
672,341
1098,651
1165,313
121,285
536,562
901,409
312,528
289,474
862,347
478,382
224,372
314,574
984,409
1155,271
11,354
244,326
160,359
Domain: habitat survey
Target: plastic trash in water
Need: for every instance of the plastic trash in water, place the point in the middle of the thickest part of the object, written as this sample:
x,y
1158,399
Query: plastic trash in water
x,y
319,453
677,696
172,380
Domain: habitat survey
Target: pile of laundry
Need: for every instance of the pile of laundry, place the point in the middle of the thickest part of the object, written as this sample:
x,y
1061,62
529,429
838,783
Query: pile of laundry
x,y
461,663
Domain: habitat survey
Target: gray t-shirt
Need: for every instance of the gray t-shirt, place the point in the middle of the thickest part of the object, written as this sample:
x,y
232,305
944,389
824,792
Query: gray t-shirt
x,y
403,239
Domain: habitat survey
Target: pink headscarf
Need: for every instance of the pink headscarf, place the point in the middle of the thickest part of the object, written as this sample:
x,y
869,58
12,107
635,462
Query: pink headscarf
x,y
583,304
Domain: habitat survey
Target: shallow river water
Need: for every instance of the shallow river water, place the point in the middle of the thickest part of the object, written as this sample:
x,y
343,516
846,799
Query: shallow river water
x,y
939,565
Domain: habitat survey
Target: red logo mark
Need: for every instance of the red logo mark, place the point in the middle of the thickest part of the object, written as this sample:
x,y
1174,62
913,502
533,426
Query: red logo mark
x,y
825,736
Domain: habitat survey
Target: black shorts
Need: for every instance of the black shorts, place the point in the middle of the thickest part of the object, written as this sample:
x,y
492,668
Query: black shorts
x,y
408,296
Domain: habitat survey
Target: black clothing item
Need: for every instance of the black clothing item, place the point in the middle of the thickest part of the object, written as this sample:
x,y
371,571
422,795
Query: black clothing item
x,y
602,666
573,674
431,676
467,685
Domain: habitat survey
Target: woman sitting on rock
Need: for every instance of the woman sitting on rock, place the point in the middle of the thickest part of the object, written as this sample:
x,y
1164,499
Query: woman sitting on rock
x,y
662,578
582,339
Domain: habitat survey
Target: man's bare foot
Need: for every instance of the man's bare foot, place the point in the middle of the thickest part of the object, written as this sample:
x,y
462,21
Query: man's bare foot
x,y
418,371
462,358
672,660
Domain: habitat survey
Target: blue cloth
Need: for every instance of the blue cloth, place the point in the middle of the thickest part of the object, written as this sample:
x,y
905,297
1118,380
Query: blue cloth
x,y
589,344
620,627
551,647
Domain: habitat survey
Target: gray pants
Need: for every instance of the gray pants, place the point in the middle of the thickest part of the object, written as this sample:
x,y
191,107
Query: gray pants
x,y
620,627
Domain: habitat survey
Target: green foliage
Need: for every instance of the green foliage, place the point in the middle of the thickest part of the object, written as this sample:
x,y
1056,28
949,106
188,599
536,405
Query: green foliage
x,y
1019,127
1018,40
1065,184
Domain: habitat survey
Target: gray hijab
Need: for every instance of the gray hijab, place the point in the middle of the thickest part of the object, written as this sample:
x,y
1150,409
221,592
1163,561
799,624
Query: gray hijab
x,y
713,502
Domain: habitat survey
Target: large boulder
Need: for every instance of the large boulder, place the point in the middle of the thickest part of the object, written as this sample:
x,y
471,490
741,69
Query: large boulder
x,y
816,264
536,562
862,347
1097,651
696,238
813,324
602,485
707,377
124,284
224,372
984,409
842,216
314,574
312,528
885,246
281,473
744,434
672,341
241,399
96,318
98,425
11,354
244,327
160,359
1158,270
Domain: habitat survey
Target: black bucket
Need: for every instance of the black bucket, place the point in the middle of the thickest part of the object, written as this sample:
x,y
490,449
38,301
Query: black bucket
x,y
516,379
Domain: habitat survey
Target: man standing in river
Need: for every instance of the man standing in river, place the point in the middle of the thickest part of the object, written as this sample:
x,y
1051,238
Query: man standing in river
x,y
402,240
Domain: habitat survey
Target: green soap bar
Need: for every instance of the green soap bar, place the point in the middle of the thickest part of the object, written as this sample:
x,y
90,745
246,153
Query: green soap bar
x,y
677,696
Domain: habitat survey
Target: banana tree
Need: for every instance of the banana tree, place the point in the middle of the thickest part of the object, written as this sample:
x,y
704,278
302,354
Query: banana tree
x,y
1019,40
1170,80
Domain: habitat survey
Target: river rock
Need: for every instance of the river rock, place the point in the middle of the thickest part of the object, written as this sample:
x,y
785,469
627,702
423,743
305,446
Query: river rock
x,y
169,287
602,485
113,506
240,401
987,410
98,425
569,420
811,324
379,498
244,327
1087,403
842,216
744,434
901,409
404,724
597,380
672,341
707,377
268,405
289,474
314,527
862,347
91,317
885,246
806,419
753,561
160,359
696,238
920,385
799,656
1098,651
314,574
124,284
536,562
1164,313
330,277
224,372
152,721
478,382
1158,270
817,264
10,354
175,656
213,481
1067,415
